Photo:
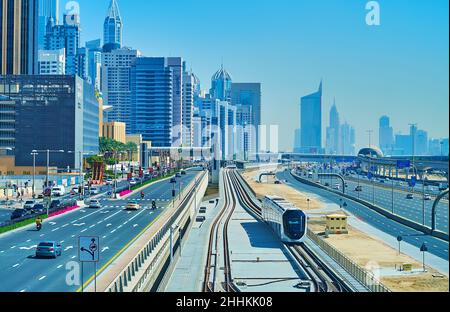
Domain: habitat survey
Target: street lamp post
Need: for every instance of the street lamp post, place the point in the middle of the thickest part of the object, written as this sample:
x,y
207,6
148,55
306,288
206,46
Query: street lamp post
x,y
34,174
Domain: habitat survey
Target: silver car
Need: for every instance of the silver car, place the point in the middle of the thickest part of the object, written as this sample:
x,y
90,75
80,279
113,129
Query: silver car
x,y
48,249
29,204
94,204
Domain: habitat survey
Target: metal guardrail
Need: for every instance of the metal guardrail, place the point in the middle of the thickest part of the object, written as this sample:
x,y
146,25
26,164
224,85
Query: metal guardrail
x,y
363,276
124,279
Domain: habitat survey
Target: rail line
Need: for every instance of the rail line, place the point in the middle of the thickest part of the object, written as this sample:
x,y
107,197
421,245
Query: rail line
x,y
321,276
209,284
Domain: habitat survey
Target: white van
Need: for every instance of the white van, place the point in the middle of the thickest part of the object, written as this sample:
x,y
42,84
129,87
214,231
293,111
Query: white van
x,y
58,190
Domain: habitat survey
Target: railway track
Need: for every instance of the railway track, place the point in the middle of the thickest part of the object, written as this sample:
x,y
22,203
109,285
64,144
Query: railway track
x,y
323,279
211,272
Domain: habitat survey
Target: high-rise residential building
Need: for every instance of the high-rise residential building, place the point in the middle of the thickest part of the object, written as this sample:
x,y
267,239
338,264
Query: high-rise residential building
x,y
188,108
403,145
152,101
65,36
386,135
33,99
221,83
348,139
48,12
19,37
333,139
176,65
311,122
249,94
52,62
116,81
95,62
112,28
245,134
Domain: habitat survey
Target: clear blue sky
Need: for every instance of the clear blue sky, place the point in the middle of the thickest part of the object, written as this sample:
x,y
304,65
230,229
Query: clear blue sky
x,y
399,68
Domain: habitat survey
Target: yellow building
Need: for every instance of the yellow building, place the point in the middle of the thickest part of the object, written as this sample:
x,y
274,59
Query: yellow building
x,y
336,224
137,139
115,130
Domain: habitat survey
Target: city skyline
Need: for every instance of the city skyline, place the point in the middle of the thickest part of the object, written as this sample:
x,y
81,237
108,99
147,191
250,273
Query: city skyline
x,y
369,52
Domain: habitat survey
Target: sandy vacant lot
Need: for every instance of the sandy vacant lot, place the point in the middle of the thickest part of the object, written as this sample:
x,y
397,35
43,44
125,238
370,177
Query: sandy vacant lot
x,y
365,250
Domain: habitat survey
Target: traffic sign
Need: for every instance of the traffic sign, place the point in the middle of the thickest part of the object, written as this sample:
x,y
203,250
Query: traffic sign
x,y
88,249
369,175
402,164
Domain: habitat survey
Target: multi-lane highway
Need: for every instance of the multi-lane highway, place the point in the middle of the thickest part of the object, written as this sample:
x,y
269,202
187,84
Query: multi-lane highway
x,y
381,195
115,227
436,246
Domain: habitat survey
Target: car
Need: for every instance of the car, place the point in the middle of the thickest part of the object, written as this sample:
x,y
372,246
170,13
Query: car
x,y
327,184
18,213
427,197
409,196
48,249
109,182
95,190
277,182
337,187
381,181
55,204
183,172
133,182
358,188
94,204
39,208
132,205
200,219
173,180
29,204
178,175
58,191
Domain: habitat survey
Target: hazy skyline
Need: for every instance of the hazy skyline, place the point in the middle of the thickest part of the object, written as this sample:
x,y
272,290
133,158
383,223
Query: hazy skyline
x,y
399,68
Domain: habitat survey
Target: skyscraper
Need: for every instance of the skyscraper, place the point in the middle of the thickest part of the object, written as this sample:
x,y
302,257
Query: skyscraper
x,y
188,107
152,102
112,28
221,85
95,62
115,86
19,37
48,12
311,122
52,62
386,135
176,65
333,141
249,94
347,133
66,36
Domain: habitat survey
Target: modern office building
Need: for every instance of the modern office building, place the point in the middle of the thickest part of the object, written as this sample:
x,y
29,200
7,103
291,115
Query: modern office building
x,y
188,108
115,130
421,143
112,28
176,64
48,113
347,134
403,145
334,144
249,94
95,62
386,135
116,82
52,62
221,83
65,36
19,37
48,12
152,100
311,122
82,64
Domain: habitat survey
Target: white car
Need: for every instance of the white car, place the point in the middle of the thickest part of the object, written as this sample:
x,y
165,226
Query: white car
x,y
58,191
427,197
94,190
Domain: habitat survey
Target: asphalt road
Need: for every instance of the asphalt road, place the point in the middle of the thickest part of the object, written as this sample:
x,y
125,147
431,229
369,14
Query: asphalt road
x,y
411,209
436,246
115,227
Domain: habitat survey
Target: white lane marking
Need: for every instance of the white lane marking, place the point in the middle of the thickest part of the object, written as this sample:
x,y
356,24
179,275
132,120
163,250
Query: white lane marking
x,y
42,277
23,290
92,226
13,247
111,216
108,225
28,248
135,225
104,236
68,247
72,236
59,266
15,265
61,242
104,249
82,231
73,257
99,222
28,240
65,225
52,223
55,229
119,226
79,224
112,231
